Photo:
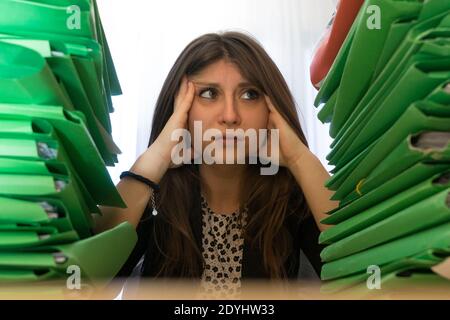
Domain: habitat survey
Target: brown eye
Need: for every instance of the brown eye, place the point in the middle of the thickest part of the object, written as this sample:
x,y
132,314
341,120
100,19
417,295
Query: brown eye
x,y
251,95
208,93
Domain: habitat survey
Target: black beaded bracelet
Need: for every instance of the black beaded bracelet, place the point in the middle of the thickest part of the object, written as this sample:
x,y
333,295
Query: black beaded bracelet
x,y
140,178
148,182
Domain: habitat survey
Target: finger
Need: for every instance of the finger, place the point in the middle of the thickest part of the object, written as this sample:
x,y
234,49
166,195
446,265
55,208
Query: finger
x,y
271,122
270,104
181,91
186,103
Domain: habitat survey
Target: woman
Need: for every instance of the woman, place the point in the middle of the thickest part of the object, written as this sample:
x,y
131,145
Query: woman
x,y
224,223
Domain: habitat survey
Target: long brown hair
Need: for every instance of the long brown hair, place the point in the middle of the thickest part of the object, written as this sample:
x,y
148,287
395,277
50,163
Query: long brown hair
x,y
268,197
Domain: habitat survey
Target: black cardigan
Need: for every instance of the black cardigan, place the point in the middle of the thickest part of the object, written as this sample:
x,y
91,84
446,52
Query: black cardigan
x,y
304,233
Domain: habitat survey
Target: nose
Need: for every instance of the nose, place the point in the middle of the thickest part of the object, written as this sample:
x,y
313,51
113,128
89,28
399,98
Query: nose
x,y
230,115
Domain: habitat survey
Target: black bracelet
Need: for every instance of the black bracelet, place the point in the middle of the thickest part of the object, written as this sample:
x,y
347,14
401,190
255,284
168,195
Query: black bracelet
x,y
140,178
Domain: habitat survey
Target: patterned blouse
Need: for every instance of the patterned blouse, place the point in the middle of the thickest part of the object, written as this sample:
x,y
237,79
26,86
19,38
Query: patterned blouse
x,y
222,248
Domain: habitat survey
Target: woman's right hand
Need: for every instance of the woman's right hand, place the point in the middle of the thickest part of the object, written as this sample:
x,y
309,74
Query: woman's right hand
x,y
155,161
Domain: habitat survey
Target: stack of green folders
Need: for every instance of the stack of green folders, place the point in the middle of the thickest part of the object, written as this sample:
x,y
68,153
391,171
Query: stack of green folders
x,y
387,99
56,82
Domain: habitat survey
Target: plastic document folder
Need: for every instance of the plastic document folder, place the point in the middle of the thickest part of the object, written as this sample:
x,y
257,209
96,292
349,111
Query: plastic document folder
x,y
56,83
99,257
387,99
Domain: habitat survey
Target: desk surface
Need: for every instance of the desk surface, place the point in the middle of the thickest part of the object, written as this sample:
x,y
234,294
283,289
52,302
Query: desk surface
x,y
177,290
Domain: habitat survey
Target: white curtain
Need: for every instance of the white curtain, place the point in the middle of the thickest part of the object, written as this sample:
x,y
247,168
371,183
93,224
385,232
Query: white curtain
x,y
145,38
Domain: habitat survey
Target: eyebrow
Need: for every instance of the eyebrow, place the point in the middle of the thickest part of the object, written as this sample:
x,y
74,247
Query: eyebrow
x,y
214,84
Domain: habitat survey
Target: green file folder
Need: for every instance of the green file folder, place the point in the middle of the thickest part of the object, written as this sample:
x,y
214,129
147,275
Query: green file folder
x,y
68,69
426,259
40,16
33,179
326,113
356,65
434,238
389,224
45,212
365,50
421,115
407,284
338,178
418,117
29,237
441,96
71,129
99,257
35,148
36,140
418,82
424,40
37,26
406,154
374,193
386,208
65,61
25,77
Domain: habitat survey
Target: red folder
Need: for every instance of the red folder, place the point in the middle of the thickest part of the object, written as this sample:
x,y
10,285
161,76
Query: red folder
x,y
337,30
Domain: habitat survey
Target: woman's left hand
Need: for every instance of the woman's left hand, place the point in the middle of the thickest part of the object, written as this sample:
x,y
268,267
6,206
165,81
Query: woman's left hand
x,y
291,148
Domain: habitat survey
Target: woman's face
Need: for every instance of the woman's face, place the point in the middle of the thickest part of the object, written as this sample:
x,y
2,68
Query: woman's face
x,y
224,99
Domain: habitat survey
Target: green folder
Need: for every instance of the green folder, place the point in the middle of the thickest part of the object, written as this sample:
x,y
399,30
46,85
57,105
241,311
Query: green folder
x,y
111,80
386,208
424,40
418,82
389,223
411,280
364,53
426,259
71,129
45,212
32,179
31,148
25,77
441,95
435,148
356,65
44,16
417,118
36,140
325,114
404,284
406,154
99,257
396,63
63,60
29,237
91,30
374,193
433,238
76,70
342,175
